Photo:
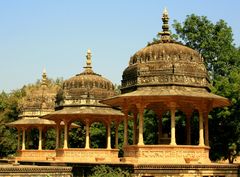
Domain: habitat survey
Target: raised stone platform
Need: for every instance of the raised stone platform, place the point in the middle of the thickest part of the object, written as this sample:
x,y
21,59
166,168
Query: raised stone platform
x,y
33,171
35,155
87,155
186,170
164,154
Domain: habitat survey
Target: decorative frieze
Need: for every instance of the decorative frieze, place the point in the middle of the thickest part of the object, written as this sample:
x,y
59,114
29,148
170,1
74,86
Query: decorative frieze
x,y
87,155
166,153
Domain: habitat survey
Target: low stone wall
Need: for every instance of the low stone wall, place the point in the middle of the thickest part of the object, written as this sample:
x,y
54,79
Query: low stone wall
x,y
87,155
212,170
34,171
162,154
35,155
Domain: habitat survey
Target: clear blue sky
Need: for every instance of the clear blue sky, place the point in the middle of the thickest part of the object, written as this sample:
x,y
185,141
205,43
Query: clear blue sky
x,y
56,34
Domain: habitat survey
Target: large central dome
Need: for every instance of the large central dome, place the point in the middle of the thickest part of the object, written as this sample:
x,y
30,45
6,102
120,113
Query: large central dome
x,y
163,63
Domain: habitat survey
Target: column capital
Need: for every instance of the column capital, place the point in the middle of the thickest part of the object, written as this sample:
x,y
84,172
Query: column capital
x,y
66,121
172,105
188,114
125,110
87,121
159,113
40,128
141,106
24,128
58,122
203,106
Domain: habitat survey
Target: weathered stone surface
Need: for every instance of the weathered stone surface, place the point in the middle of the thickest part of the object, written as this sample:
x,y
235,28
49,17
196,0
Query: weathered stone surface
x,y
34,171
196,170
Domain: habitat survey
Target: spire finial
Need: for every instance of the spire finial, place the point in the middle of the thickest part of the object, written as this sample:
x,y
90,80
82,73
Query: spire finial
x,y
165,34
88,67
44,77
89,59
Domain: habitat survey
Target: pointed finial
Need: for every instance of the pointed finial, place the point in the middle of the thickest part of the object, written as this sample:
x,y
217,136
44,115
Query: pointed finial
x,y
44,77
89,59
88,67
165,34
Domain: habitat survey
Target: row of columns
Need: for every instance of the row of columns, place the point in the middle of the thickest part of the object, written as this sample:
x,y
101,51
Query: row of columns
x,y
203,133
66,132
40,129
203,136
87,140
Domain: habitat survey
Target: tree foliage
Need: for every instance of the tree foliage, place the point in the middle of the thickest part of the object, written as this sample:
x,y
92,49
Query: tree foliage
x,y
8,112
106,171
214,41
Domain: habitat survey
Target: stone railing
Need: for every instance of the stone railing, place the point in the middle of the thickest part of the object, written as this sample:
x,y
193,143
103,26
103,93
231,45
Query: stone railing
x,y
166,154
36,155
87,155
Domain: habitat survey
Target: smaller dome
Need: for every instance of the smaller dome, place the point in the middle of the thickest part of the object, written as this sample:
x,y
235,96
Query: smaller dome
x,y
86,87
40,98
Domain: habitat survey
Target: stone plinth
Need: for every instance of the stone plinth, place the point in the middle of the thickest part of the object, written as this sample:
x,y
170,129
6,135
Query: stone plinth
x,y
35,155
87,155
166,154
34,171
186,170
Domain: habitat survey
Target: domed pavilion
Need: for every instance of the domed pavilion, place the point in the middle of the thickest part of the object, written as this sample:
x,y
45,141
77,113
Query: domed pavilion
x,y
166,76
79,101
39,101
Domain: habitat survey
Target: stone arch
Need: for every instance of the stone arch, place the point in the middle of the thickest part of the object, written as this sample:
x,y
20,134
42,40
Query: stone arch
x,y
77,135
195,127
98,138
49,138
150,128
181,118
165,133
32,138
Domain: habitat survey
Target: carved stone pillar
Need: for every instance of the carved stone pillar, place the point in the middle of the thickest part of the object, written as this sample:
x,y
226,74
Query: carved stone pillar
x,y
23,138
65,143
57,135
125,140
188,129
140,133
173,131
40,138
201,134
116,135
135,128
206,129
160,127
19,137
87,146
109,135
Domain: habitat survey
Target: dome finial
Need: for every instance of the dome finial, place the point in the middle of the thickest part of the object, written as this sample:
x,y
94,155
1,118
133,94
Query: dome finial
x,y
165,34
88,67
44,77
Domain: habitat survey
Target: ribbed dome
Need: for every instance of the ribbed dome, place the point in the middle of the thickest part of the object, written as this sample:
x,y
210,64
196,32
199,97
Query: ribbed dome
x,y
40,99
87,87
165,62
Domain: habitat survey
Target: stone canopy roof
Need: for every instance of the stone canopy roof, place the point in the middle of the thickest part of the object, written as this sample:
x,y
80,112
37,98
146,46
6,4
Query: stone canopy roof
x,y
165,63
39,101
87,87
40,98
80,97
166,69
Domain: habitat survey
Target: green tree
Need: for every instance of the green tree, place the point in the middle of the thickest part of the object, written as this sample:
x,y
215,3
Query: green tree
x,y
214,41
8,112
